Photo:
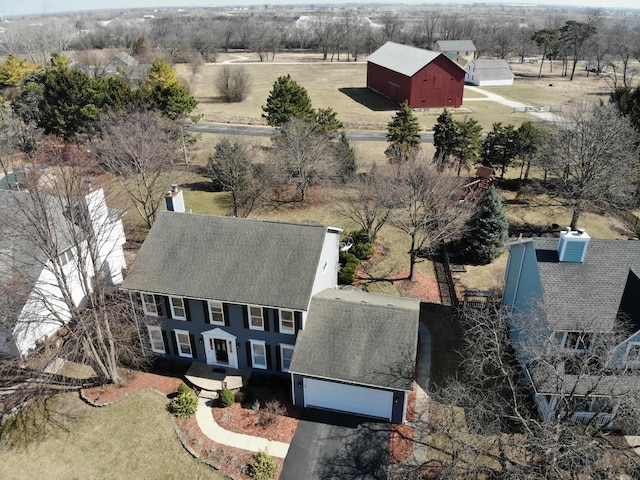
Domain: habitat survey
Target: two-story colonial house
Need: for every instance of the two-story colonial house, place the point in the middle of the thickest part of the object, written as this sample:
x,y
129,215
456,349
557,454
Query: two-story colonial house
x,y
238,294
578,296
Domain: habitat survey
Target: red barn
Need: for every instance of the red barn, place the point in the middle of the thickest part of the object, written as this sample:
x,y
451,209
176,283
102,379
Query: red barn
x,y
423,78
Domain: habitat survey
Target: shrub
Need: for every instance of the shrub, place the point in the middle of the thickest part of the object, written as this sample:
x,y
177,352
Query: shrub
x,y
262,466
227,398
271,413
183,388
185,404
349,262
362,248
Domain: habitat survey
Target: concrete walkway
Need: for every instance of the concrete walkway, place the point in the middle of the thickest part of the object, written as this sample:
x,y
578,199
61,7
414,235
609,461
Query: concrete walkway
x,y
492,97
215,432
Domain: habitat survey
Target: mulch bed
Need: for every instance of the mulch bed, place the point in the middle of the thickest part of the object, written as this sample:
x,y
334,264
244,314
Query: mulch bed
x,y
402,436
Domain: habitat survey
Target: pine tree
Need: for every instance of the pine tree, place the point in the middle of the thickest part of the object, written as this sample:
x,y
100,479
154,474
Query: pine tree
x,y
286,100
403,134
445,138
488,230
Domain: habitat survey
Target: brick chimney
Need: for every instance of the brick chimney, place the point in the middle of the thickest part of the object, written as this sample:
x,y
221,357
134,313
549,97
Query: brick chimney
x,y
174,200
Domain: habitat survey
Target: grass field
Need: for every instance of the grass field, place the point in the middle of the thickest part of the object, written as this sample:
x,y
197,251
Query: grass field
x,y
132,439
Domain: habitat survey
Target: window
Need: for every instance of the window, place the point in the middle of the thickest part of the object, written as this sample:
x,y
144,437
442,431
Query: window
x,y
177,308
577,341
149,304
66,257
286,352
256,320
183,341
287,324
155,336
258,354
216,313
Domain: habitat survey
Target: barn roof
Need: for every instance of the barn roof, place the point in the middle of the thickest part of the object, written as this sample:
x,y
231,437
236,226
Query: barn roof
x,y
456,45
402,58
491,69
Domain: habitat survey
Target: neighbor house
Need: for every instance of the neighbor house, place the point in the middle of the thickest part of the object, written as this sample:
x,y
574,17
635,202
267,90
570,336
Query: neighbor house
x,y
580,295
44,250
460,51
422,78
486,73
245,294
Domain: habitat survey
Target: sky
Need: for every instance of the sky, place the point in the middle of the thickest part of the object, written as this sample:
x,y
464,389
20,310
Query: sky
x,y
21,7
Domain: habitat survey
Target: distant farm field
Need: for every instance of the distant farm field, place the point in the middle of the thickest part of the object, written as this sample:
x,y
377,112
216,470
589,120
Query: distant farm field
x,y
342,86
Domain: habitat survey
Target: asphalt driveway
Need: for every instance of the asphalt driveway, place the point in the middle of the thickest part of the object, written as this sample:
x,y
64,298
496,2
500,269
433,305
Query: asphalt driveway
x,y
330,445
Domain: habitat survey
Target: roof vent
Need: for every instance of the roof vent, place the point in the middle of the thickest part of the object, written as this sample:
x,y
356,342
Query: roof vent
x,y
572,246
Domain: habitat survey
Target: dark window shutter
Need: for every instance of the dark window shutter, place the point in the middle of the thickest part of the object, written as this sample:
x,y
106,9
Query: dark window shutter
x,y
276,320
187,309
267,352
265,319
165,340
297,317
193,346
278,358
225,311
174,343
207,313
249,362
166,307
245,316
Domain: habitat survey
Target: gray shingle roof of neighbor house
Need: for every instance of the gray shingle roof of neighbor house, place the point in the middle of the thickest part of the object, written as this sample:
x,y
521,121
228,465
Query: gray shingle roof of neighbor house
x,y
402,58
586,296
361,338
456,46
229,259
491,69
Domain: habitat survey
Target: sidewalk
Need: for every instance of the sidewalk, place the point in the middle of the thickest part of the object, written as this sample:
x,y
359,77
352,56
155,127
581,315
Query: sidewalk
x,y
215,432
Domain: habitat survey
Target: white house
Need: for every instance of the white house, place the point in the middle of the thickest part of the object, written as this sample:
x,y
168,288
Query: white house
x,y
486,73
44,245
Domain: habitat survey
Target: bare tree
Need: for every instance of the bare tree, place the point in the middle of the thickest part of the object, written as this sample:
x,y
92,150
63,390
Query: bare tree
x,y
595,157
233,83
366,203
428,206
57,284
140,148
231,168
304,155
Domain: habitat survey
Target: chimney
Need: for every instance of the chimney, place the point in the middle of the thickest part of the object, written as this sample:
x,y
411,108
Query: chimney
x,y
572,246
173,199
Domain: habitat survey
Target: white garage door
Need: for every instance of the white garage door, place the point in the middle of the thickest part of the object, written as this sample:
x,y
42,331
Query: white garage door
x,y
348,398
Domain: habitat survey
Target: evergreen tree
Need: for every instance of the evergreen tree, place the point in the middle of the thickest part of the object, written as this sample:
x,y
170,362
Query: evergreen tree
x,y
403,134
286,100
327,122
501,146
467,145
488,230
445,138
345,158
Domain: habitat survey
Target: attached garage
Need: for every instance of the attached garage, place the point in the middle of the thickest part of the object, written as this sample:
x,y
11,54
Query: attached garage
x,y
348,398
357,354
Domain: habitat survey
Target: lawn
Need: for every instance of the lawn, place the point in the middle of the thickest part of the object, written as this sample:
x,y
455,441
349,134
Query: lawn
x,y
132,439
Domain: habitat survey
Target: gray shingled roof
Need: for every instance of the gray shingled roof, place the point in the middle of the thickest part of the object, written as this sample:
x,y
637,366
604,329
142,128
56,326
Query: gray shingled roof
x,y
229,259
361,338
491,69
586,295
402,58
456,46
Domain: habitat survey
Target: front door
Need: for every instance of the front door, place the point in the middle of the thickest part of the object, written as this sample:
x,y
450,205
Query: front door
x,y
220,348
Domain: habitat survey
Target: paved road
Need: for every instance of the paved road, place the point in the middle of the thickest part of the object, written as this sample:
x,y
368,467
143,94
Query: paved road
x,y
257,131
335,446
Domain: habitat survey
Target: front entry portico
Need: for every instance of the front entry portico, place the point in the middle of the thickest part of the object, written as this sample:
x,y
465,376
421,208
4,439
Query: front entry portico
x,y
220,348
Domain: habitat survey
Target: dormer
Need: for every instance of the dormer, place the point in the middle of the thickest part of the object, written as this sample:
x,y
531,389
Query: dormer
x,y
572,246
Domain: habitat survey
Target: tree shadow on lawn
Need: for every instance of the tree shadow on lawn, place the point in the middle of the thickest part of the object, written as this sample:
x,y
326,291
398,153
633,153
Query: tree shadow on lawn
x,y
369,99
